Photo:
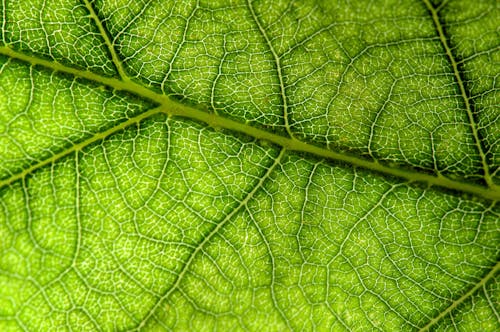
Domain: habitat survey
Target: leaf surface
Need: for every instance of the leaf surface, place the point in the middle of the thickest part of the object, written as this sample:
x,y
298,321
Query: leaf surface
x,y
249,165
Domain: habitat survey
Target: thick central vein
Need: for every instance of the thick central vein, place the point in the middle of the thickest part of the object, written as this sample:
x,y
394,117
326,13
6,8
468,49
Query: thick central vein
x,y
174,108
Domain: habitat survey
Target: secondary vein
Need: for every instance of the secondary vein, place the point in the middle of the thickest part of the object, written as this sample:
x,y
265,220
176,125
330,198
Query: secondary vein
x,y
277,62
114,56
491,274
209,237
442,37
174,108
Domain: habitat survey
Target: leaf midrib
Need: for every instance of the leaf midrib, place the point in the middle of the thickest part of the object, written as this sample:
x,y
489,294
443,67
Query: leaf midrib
x,y
175,108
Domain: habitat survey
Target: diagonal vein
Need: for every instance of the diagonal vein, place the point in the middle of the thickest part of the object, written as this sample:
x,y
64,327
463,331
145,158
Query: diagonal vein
x,y
209,237
278,67
174,108
79,146
463,92
491,274
102,30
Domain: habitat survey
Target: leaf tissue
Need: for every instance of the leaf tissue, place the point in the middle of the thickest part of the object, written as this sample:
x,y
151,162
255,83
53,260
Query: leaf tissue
x,y
249,165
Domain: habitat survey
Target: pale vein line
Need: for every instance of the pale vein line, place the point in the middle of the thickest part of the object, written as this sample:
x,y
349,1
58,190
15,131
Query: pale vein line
x,y
462,298
44,31
79,146
373,126
463,92
207,239
104,34
218,77
327,302
490,303
140,14
443,4
340,252
174,108
77,212
29,216
278,67
282,314
180,45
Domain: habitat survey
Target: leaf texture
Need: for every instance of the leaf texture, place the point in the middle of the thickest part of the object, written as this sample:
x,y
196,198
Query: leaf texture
x,y
249,165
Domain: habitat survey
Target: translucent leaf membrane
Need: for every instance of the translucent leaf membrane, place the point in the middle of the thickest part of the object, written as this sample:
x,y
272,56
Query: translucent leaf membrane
x,y
211,230
164,223
62,31
387,92
473,29
82,240
43,113
329,248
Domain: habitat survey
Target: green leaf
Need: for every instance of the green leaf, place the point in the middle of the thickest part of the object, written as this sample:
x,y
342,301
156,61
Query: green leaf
x,y
254,165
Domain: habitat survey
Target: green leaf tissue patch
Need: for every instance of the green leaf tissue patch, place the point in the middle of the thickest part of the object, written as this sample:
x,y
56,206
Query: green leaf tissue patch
x,y
249,165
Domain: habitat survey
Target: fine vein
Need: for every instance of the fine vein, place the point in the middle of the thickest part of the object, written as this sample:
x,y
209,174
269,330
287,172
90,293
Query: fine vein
x,y
209,237
174,108
278,68
116,60
463,92
491,274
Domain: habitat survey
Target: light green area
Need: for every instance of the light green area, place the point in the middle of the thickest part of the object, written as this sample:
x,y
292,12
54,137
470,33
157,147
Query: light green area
x,y
58,30
42,113
333,264
124,209
106,246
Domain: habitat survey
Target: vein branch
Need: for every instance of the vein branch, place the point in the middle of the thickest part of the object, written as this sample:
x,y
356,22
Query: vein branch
x,y
174,108
79,146
277,62
463,92
114,56
491,274
210,236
